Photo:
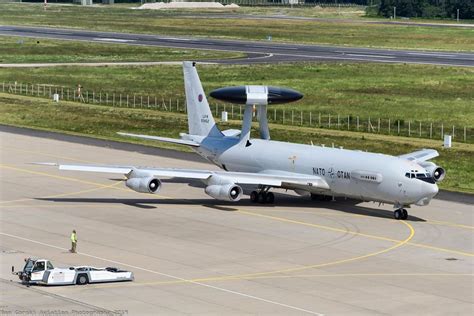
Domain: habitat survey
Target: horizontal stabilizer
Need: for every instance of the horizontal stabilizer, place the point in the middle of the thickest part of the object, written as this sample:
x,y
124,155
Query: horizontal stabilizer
x,y
231,132
163,139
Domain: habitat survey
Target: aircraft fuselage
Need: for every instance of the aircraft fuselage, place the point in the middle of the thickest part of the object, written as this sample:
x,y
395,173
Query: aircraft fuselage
x,y
349,173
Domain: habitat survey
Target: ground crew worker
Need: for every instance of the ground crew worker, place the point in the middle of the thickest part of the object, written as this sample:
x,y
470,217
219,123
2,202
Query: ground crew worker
x,y
79,93
73,241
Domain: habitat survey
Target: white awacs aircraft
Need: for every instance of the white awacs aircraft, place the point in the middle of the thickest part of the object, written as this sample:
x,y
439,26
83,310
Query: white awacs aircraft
x,y
306,169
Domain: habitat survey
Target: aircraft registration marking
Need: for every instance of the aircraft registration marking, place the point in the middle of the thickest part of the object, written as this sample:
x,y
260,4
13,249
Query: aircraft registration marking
x,y
339,174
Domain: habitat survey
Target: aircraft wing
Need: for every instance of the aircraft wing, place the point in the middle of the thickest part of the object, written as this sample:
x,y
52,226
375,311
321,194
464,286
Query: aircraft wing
x,y
421,155
267,179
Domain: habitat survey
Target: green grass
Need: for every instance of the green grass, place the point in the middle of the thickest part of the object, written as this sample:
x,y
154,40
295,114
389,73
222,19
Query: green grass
x,y
172,22
405,92
32,50
104,122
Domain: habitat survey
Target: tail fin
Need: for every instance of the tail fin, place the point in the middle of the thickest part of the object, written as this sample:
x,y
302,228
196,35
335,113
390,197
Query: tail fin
x,y
200,120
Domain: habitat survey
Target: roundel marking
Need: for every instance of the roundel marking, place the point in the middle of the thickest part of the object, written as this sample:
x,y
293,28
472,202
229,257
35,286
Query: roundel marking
x,y
200,98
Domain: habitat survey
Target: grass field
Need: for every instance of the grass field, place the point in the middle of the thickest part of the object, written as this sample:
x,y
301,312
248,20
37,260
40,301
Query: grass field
x,y
31,50
405,92
124,19
104,122
356,12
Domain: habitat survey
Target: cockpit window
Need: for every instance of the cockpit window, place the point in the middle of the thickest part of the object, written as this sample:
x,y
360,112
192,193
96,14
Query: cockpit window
x,y
420,176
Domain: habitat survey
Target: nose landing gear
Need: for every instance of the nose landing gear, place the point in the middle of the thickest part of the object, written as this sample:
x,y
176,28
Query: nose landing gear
x,y
400,213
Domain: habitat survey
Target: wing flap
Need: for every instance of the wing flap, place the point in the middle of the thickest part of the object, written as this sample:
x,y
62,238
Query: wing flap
x,y
274,180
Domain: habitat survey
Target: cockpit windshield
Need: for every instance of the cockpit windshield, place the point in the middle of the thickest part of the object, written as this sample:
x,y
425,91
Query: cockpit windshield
x,y
420,176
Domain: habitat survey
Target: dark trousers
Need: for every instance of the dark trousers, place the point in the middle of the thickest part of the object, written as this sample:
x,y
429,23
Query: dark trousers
x,y
73,246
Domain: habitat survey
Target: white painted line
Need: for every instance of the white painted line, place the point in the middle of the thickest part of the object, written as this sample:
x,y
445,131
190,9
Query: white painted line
x,y
261,57
169,276
374,56
288,48
175,39
61,33
112,39
434,54
257,46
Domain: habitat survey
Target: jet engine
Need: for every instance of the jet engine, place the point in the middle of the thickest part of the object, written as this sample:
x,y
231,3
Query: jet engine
x,y
224,192
438,173
144,185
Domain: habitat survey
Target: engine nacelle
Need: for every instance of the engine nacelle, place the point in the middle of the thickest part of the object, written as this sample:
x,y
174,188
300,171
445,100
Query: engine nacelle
x,y
438,174
144,185
436,171
224,192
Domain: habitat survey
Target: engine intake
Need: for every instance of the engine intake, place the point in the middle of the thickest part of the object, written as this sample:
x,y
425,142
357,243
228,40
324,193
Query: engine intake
x,y
436,172
439,174
226,192
144,185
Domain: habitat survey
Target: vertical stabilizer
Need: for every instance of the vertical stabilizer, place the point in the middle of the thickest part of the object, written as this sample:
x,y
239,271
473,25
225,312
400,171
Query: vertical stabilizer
x,y
200,120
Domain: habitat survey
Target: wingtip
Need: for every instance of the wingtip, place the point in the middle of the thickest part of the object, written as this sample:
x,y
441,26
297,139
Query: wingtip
x,y
53,164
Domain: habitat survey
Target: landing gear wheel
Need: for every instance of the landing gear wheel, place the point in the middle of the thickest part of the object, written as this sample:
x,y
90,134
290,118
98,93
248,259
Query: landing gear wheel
x,y
270,199
398,214
404,214
254,196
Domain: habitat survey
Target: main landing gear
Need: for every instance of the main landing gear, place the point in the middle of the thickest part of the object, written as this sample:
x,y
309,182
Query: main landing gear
x,y
400,213
262,196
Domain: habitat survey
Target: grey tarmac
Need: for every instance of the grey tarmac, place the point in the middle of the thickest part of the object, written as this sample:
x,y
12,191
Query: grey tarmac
x,y
192,254
260,52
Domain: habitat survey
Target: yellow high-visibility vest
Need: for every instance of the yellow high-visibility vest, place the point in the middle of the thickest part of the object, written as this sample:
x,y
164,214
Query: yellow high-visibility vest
x,y
73,237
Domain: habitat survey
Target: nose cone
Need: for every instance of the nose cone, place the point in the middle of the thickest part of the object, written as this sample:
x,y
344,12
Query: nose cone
x,y
277,95
430,190
237,95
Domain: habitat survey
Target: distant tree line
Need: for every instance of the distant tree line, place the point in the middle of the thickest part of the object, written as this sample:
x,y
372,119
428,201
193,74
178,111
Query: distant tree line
x,y
428,8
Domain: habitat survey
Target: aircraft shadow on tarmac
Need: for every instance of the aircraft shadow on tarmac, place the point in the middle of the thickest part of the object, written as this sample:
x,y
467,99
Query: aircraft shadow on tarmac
x,y
348,206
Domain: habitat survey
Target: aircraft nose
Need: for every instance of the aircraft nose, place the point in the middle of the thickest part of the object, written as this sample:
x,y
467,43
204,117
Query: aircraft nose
x,y
430,190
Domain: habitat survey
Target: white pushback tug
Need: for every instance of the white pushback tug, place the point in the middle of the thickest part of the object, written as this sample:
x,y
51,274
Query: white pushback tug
x,y
42,272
